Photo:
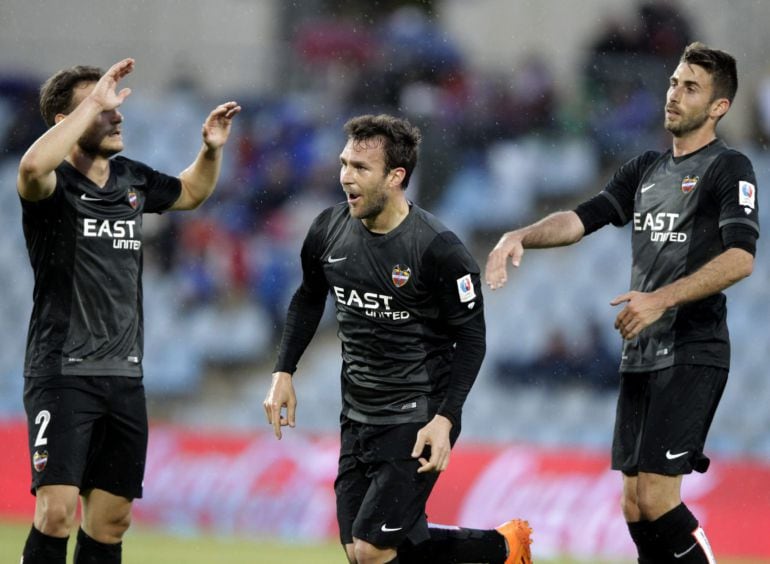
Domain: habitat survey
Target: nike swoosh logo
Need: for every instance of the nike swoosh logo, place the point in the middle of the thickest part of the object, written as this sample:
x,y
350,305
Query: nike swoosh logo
x,y
386,529
338,259
86,198
671,456
680,554
645,188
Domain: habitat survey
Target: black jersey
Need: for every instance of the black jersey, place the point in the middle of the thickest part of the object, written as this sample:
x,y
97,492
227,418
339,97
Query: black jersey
x,y
85,247
399,298
681,210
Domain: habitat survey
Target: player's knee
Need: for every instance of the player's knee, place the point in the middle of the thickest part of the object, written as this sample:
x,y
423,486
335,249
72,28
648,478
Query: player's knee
x,y
54,517
350,552
630,507
654,502
367,553
112,529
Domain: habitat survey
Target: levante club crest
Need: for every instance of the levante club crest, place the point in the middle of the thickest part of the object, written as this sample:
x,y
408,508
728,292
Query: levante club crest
x,y
400,275
689,183
39,460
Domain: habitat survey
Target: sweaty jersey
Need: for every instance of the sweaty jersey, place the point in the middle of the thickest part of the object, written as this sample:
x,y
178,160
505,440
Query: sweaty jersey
x,y
400,298
85,247
684,211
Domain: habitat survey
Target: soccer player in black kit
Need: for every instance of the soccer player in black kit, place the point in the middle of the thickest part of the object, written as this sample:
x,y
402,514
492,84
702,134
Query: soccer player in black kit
x,y
82,218
411,321
693,210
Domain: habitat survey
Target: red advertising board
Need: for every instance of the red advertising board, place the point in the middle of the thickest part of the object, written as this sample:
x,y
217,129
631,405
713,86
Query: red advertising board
x,y
252,484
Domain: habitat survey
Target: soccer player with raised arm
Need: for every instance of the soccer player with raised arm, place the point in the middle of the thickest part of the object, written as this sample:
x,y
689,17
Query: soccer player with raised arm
x,y
83,394
694,214
410,319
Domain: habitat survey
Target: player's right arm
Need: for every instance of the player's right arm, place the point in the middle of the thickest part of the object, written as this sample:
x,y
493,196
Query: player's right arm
x,y
614,204
305,311
36,179
555,230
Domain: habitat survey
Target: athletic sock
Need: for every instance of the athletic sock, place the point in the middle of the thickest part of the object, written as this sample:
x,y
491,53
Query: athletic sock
x,y
43,549
681,539
452,545
90,551
647,545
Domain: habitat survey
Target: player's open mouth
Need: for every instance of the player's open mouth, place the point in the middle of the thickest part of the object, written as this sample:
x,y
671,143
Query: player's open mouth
x,y
353,198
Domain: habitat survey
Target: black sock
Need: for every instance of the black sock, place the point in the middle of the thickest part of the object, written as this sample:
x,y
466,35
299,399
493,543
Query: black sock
x,y
647,545
682,541
90,551
43,549
455,545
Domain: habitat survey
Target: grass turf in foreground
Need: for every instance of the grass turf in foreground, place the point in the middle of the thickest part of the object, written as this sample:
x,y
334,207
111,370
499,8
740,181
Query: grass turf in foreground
x,y
143,546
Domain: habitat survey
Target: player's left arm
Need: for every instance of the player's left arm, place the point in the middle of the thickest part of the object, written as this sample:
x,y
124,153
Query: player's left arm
x,y
642,309
199,179
457,285
735,191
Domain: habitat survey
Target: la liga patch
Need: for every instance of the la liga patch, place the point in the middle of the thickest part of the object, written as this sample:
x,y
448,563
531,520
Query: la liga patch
x,y
747,194
465,289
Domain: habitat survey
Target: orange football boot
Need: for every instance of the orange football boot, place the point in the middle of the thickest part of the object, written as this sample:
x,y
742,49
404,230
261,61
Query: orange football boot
x,y
517,535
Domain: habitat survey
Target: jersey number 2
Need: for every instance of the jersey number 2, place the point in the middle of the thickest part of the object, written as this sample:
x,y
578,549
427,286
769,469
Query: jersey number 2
x,y
42,419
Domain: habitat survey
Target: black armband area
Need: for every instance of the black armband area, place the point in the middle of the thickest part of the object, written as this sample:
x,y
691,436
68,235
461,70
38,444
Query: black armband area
x,y
740,236
598,212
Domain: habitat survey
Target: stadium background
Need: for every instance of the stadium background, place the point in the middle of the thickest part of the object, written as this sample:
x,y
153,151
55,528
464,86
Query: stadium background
x,y
527,107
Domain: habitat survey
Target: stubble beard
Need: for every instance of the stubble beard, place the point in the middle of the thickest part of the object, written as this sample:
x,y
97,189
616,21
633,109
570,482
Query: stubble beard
x,y
687,124
97,148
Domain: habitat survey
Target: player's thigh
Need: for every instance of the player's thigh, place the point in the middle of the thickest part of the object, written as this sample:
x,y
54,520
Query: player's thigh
x,y
630,415
62,412
117,462
351,483
682,403
393,507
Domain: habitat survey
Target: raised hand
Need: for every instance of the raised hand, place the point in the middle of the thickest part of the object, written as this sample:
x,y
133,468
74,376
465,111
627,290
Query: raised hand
x,y
105,91
216,128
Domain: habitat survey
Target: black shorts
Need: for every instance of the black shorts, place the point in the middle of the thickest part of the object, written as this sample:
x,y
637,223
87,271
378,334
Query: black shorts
x,y
663,418
380,496
87,431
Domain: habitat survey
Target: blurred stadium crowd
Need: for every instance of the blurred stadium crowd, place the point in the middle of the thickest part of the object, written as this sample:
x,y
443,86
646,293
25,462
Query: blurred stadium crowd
x,y
499,150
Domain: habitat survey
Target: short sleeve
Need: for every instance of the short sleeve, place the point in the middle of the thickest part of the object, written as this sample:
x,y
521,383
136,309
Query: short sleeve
x,y
457,279
735,190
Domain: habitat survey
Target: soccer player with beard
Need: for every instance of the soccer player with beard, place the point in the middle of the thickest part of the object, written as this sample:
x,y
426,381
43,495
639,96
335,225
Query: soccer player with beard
x,y
83,394
694,213
410,318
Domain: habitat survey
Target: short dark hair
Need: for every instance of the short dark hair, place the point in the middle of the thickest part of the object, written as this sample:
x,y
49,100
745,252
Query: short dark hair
x,y
56,92
720,65
401,139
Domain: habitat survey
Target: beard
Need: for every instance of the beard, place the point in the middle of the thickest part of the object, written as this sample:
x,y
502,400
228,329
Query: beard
x,y
372,208
98,147
687,124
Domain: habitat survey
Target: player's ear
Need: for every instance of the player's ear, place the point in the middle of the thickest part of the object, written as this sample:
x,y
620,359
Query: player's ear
x,y
719,107
58,117
396,175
